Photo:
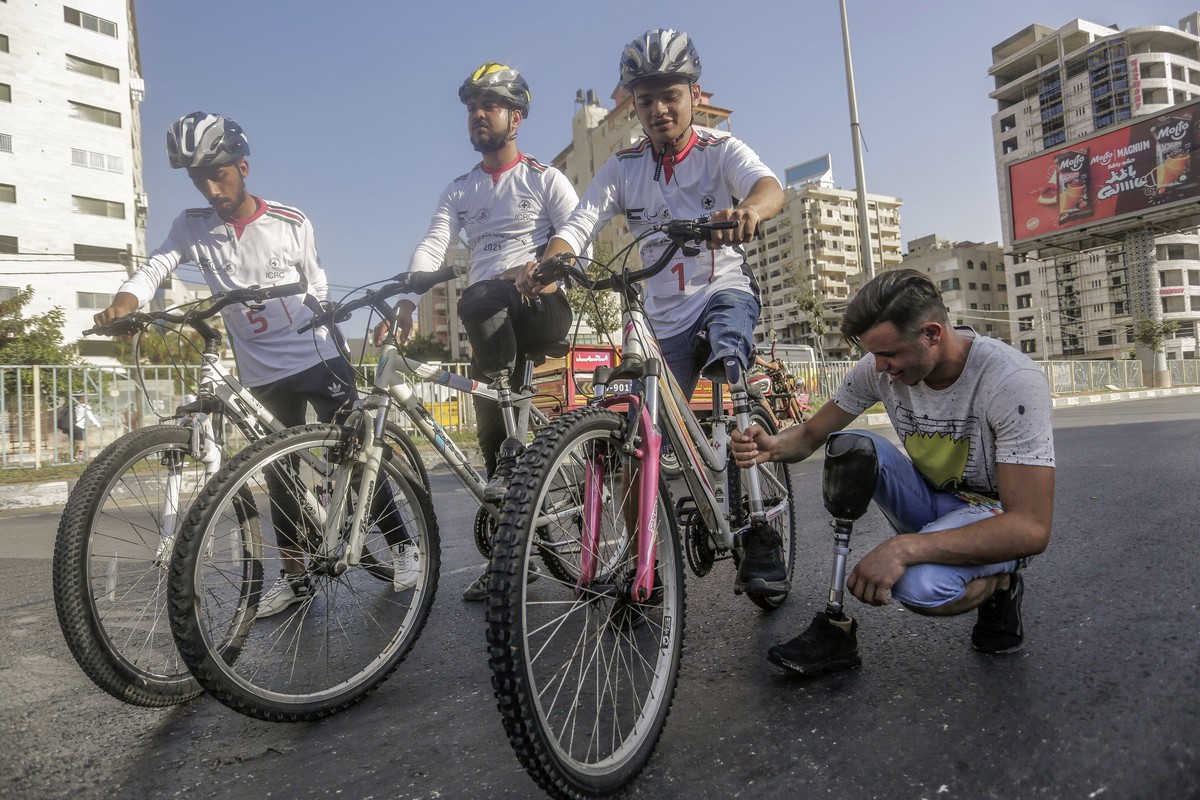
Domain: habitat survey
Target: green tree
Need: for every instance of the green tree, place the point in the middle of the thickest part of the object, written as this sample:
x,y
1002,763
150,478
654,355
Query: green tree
x,y
36,340
1153,334
601,310
814,308
424,348
162,346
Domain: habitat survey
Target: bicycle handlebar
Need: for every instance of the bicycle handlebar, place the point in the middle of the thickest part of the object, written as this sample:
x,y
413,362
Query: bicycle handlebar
x,y
140,320
404,283
679,231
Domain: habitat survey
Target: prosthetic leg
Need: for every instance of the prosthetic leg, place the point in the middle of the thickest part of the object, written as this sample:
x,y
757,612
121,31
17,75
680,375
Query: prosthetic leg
x,y
830,643
851,472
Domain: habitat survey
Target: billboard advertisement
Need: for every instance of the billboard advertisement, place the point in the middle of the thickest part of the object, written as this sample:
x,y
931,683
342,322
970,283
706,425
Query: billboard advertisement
x,y
1145,167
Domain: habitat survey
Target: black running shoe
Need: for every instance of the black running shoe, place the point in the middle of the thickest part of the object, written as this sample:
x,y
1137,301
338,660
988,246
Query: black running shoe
x,y
823,647
761,571
497,487
999,628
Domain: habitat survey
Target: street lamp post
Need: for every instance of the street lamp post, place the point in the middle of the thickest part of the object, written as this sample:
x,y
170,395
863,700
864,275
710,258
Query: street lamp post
x,y
864,228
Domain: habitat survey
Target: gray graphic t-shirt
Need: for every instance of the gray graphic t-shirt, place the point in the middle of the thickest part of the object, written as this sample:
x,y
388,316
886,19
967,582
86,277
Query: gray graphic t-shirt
x,y
997,411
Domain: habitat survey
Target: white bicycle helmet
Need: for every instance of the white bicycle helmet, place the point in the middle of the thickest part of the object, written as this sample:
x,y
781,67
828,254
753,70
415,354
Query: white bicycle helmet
x,y
659,51
500,80
203,140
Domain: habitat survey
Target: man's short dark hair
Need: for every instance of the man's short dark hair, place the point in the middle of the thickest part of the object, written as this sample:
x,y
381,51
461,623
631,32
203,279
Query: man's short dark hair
x,y
904,297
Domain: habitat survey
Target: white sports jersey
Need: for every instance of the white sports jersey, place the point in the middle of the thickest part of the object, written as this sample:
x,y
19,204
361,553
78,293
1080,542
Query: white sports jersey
x,y
274,246
706,176
507,215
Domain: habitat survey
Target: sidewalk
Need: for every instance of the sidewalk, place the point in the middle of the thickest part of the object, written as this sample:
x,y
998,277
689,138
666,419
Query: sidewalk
x,y
54,493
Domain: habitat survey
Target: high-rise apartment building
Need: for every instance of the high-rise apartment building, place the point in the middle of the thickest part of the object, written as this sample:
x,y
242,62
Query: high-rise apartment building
x,y
811,248
437,309
972,279
72,204
1053,87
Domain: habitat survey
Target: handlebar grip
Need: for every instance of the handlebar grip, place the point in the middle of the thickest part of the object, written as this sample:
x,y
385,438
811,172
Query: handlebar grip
x,y
422,282
553,268
285,290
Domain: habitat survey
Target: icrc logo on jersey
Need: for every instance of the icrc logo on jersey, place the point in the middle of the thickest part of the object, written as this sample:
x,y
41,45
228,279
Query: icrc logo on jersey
x,y
276,269
708,202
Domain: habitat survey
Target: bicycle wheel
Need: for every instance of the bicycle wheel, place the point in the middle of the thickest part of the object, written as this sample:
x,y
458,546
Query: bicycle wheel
x,y
774,480
110,578
351,630
402,443
584,676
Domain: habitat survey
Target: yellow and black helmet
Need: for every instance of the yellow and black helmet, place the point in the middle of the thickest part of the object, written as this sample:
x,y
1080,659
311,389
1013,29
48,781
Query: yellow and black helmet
x,y
500,80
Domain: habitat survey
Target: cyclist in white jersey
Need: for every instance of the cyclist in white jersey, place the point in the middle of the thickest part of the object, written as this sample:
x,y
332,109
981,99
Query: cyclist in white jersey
x,y
238,241
507,207
703,308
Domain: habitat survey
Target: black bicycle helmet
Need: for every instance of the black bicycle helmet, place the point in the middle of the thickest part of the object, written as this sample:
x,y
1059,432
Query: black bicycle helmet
x,y
202,140
499,80
659,51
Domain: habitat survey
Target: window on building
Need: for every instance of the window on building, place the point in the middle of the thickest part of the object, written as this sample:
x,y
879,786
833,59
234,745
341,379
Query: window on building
x,y
1008,123
94,68
971,286
1029,345
1106,337
89,22
106,255
983,266
949,285
987,306
1025,301
97,300
94,114
970,264
1021,279
85,158
1119,308
1025,323
8,245
8,193
97,207
5,93
1194,277
1008,146
986,287
974,306
3,43
5,143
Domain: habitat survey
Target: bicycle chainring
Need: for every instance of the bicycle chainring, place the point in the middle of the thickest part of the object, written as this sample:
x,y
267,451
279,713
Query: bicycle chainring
x,y
484,528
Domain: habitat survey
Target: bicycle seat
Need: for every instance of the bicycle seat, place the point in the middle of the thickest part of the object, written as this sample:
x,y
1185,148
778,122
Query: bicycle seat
x,y
540,352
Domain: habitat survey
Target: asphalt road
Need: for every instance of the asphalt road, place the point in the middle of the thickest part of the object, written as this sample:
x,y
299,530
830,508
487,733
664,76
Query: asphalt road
x,y
1101,703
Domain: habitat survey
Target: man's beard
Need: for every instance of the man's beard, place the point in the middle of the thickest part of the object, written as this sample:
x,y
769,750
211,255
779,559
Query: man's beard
x,y
490,143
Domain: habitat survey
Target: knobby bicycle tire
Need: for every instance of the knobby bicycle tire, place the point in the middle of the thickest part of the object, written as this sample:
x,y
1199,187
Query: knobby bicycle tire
x,y
346,636
583,724
109,587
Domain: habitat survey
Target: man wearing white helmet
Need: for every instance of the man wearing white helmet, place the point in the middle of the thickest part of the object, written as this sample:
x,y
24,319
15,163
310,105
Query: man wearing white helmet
x,y
240,240
705,308
506,208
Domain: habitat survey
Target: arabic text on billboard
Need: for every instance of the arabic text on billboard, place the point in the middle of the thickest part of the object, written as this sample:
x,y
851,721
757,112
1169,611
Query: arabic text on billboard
x,y
1137,168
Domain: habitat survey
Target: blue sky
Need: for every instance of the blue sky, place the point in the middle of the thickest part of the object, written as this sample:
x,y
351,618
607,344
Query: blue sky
x,y
353,115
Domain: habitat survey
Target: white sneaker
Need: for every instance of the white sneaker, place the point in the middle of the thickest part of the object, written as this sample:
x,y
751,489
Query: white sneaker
x,y
406,567
286,592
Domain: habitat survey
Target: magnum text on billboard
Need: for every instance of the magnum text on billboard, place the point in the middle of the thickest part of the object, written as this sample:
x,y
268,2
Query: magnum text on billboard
x,y
1148,165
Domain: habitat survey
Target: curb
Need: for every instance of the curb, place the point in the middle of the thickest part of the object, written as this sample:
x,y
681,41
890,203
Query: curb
x,y
54,493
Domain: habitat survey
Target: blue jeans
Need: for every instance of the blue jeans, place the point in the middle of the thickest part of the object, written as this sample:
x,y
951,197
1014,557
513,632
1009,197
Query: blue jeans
x,y
726,328
911,505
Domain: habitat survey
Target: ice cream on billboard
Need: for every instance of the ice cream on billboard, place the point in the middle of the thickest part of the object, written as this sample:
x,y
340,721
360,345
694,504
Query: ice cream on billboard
x,y
1173,151
1074,195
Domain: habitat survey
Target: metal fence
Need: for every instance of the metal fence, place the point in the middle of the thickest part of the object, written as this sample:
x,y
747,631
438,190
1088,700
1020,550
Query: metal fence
x,y
33,395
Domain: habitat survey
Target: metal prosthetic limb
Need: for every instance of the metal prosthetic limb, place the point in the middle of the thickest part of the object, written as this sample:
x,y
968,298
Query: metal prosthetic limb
x,y
851,472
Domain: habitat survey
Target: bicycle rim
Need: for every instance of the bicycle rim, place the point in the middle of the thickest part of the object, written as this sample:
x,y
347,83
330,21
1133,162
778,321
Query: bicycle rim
x,y
584,677
110,576
339,642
